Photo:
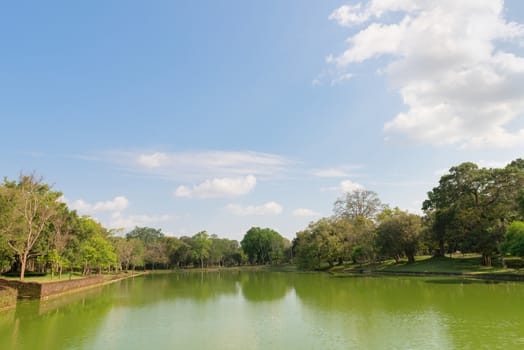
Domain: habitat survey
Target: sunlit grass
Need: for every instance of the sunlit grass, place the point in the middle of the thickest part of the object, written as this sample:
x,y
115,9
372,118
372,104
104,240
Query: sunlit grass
x,y
458,263
45,279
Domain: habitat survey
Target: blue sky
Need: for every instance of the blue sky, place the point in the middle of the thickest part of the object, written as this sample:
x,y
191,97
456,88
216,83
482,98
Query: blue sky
x,y
222,115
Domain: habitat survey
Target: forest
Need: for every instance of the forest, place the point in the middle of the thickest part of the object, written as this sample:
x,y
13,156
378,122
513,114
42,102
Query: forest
x,y
471,210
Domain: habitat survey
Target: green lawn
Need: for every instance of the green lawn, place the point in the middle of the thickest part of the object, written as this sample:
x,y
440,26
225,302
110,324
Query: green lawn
x,y
467,263
65,276
44,279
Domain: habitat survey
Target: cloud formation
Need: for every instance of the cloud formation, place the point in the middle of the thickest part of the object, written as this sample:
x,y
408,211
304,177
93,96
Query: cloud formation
x,y
460,86
128,222
340,171
197,165
344,187
304,212
223,187
118,203
270,208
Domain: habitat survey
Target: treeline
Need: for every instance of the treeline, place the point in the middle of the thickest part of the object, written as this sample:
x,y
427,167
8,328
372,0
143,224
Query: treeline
x,y
39,233
472,210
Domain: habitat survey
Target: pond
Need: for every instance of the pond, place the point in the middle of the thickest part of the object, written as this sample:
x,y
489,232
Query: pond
x,y
273,310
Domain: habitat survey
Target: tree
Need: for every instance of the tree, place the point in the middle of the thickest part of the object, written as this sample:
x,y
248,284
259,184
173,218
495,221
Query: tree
x,y
29,204
145,234
61,228
124,251
155,250
263,245
201,245
400,234
97,252
514,239
472,207
358,203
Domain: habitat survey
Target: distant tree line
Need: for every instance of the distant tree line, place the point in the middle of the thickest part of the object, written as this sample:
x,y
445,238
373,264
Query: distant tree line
x,y
472,210
39,233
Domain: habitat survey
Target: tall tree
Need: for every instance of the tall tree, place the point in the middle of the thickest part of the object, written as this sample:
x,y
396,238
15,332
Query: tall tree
x,y
400,234
358,203
263,245
201,245
29,205
472,206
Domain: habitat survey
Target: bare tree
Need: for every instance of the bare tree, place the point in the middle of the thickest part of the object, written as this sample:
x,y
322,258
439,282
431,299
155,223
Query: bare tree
x,y
359,203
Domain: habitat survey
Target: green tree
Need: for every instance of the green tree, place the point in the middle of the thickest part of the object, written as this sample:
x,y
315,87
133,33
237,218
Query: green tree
x,y
399,235
145,234
514,239
29,204
201,244
263,245
60,229
472,207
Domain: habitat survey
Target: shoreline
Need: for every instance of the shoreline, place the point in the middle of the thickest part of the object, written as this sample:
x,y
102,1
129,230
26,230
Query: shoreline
x,y
45,291
483,276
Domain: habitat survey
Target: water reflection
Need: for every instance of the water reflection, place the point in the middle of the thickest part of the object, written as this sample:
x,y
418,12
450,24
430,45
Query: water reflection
x,y
263,286
260,310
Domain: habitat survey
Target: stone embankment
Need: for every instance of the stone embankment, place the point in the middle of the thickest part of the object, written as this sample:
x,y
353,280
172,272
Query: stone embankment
x,y
7,298
43,291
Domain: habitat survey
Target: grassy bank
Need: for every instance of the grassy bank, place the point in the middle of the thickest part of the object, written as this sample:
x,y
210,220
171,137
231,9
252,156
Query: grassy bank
x,y
66,276
456,264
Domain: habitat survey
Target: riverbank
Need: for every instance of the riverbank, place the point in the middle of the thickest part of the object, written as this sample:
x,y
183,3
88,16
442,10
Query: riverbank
x,y
463,266
42,289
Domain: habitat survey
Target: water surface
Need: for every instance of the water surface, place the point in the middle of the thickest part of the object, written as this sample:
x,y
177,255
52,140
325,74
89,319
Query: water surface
x,y
271,310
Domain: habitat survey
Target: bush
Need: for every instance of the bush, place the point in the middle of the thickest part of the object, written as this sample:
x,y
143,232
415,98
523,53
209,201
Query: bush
x,y
514,263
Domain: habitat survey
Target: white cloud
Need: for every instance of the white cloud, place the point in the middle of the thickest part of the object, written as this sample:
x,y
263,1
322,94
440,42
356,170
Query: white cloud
x,y
153,160
341,78
304,212
459,86
110,213
197,165
344,186
270,208
341,171
330,173
350,186
118,220
118,203
224,187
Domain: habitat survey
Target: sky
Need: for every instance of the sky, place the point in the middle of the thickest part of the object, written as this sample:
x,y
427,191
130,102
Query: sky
x,y
223,115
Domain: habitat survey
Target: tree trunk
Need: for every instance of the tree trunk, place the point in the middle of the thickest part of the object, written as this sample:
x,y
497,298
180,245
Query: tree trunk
x,y
24,262
486,260
441,249
411,259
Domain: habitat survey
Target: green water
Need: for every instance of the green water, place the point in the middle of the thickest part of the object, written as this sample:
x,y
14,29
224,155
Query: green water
x,y
270,310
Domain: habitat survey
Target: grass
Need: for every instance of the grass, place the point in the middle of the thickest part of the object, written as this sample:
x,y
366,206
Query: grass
x,y
44,279
65,277
467,264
